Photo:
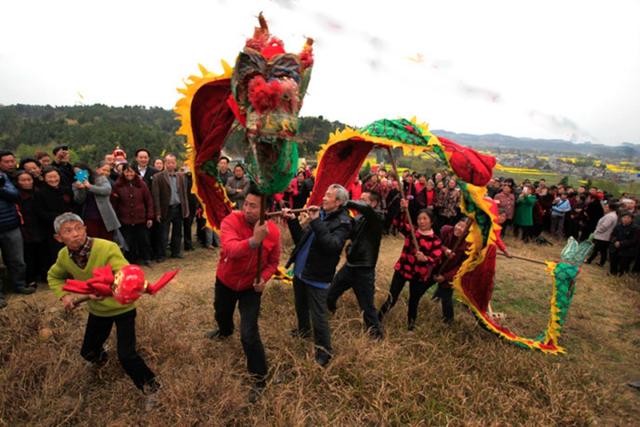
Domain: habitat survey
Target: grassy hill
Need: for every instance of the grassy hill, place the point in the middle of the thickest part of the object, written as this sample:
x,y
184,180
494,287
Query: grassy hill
x,y
455,375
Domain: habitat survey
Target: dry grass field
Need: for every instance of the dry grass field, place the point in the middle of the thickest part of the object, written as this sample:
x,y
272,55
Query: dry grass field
x,y
436,375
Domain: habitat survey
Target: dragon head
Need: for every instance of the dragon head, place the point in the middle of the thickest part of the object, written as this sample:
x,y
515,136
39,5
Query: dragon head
x,y
268,85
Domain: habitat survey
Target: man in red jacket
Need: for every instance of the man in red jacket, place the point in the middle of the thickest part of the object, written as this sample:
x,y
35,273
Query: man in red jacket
x,y
241,237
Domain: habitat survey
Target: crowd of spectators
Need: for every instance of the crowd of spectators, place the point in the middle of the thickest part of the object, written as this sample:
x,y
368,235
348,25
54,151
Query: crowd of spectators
x,y
147,206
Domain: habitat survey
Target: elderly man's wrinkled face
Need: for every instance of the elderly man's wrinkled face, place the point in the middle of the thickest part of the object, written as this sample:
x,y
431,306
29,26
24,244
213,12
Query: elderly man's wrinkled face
x,y
72,234
170,163
329,201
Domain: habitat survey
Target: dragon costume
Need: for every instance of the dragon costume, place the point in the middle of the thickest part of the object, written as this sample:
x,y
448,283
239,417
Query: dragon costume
x,y
263,93
340,160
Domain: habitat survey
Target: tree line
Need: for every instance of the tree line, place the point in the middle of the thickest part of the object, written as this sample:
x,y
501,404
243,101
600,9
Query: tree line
x,y
91,131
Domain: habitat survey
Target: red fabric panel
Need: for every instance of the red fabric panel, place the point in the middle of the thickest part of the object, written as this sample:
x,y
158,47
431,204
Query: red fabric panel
x,y
211,120
478,284
471,166
340,164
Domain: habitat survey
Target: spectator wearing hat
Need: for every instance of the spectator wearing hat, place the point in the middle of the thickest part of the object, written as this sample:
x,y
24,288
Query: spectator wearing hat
x,y
63,165
625,239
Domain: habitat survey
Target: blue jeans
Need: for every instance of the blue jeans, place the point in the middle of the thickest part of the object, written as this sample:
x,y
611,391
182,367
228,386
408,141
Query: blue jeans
x,y
12,249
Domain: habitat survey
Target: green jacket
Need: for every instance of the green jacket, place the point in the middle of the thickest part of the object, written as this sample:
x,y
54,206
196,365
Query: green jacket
x,y
103,252
524,210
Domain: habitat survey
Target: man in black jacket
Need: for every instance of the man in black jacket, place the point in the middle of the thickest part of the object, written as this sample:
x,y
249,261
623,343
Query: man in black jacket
x,y
63,165
359,273
316,256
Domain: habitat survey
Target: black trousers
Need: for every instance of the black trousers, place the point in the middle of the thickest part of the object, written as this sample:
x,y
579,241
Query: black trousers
x,y
600,247
187,224
620,264
417,289
224,303
527,232
173,221
362,281
97,332
506,225
312,300
36,258
445,294
155,236
138,240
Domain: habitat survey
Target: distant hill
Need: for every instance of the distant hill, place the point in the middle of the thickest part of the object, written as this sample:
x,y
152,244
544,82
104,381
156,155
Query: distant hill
x,y
551,146
94,130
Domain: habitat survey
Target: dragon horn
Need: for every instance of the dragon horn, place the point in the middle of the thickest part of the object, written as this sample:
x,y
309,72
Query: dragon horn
x,y
166,278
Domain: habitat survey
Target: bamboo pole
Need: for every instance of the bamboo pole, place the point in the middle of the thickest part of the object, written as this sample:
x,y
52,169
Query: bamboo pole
x,y
535,261
401,188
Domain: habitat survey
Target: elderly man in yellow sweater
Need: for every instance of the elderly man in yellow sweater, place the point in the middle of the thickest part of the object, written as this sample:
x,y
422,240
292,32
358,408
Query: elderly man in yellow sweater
x,y
77,260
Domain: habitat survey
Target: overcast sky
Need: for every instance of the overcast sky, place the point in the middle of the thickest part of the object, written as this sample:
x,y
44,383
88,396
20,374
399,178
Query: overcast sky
x,y
550,69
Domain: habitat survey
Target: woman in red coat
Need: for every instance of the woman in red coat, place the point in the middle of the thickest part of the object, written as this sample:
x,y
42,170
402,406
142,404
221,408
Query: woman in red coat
x,y
131,199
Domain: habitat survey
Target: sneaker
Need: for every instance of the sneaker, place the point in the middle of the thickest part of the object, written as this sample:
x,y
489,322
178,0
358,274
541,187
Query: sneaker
x,y
297,333
215,334
3,303
25,290
178,256
146,263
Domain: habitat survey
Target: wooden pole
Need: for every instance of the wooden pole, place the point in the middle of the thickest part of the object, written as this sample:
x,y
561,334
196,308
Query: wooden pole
x,y
263,214
401,188
535,261
270,214
78,301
